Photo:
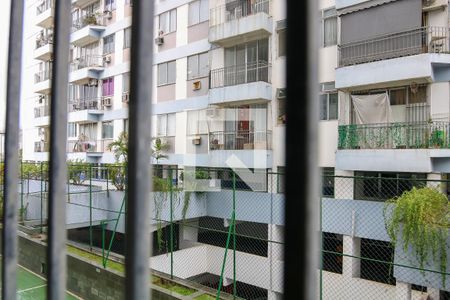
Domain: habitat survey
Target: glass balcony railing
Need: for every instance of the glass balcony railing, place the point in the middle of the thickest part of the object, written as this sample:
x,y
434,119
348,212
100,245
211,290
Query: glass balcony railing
x,y
43,75
95,18
423,135
236,10
42,146
240,140
89,145
86,61
240,74
43,39
84,104
41,111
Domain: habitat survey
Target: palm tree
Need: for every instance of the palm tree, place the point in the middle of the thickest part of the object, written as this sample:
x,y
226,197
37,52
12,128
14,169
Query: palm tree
x,y
120,147
159,147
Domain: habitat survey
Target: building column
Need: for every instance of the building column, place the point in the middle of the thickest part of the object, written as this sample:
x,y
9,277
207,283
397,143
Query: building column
x,y
351,266
275,256
433,293
343,187
437,184
188,234
402,291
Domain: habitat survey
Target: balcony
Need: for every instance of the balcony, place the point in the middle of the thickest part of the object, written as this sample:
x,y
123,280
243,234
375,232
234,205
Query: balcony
x,y
85,110
44,47
395,136
82,3
42,146
85,68
253,80
87,30
240,140
42,81
238,21
400,44
44,14
41,111
90,147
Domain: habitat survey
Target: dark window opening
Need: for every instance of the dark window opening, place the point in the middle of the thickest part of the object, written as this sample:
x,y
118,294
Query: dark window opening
x,y
379,267
328,182
332,246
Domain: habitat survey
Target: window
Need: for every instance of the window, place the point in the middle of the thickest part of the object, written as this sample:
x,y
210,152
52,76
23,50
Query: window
x,y
108,86
397,96
329,21
167,73
168,21
198,12
328,102
126,125
381,255
328,182
383,186
196,122
126,82
166,125
127,38
198,66
332,249
281,98
282,43
110,5
108,44
107,130
72,130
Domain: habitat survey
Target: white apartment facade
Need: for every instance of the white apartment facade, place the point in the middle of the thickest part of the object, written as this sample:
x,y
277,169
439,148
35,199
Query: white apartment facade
x,y
395,54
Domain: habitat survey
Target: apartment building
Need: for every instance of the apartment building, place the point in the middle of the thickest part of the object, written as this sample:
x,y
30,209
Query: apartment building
x,y
384,111
218,100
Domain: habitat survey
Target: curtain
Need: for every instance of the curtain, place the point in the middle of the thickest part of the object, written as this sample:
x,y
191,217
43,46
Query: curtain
x,y
330,31
371,109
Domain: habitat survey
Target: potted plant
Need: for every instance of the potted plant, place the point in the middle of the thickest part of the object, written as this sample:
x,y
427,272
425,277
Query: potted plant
x,y
419,219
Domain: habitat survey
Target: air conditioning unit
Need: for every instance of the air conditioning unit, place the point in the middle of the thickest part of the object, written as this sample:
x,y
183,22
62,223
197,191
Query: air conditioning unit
x,y
125,97
429,5
106,101
107,59
196,140
93,82
159,40
108,14
196,85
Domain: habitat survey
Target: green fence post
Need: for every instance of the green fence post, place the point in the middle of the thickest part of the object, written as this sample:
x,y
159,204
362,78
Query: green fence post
x,y
321,250
103,243
171,223
90,206
107,181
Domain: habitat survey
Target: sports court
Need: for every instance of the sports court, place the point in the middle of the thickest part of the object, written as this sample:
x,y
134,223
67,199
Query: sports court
x,y
31,286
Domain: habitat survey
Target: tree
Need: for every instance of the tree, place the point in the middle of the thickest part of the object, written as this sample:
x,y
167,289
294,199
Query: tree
x,y
120,147
158,150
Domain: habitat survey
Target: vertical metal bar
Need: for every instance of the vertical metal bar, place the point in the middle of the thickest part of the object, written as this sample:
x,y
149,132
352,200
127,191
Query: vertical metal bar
x,y
42,192
139,179
302,178
90,206
234,235
171,222
10,188
56,250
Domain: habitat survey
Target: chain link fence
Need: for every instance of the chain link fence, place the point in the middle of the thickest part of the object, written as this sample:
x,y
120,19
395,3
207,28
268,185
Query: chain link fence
x,y
360,257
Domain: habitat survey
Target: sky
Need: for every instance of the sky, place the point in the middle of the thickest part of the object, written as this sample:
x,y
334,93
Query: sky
x,y
4,35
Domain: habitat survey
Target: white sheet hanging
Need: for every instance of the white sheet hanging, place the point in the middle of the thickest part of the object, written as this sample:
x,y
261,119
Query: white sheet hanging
x,y
370,109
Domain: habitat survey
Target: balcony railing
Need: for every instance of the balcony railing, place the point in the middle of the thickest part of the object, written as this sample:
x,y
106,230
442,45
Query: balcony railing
x,y
98,146
43,39
395,136
86,61
405,43
240,74
41,111
43,7
43,75
236,10
41,146
84,104
91,19
240,140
